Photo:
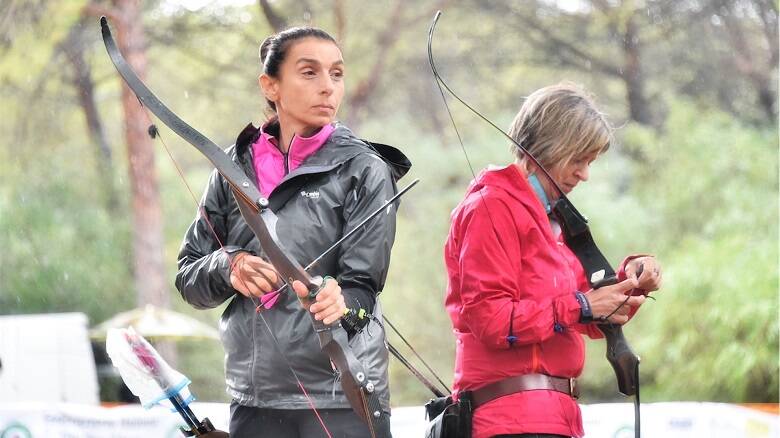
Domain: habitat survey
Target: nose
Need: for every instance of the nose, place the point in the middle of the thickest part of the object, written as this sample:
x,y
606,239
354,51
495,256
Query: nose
x,y
327,86
583,172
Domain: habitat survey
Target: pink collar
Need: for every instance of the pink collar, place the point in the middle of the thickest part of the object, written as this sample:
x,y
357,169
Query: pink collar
x,y
300,147
271,165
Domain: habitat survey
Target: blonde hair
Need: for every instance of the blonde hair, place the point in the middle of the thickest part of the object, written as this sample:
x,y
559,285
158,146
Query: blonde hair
x,y
559,123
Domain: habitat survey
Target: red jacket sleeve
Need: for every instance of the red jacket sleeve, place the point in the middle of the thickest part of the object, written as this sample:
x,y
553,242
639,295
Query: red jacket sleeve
x,y
489,256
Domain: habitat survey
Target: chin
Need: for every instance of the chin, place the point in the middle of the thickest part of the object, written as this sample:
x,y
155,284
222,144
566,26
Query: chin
x,y
321,120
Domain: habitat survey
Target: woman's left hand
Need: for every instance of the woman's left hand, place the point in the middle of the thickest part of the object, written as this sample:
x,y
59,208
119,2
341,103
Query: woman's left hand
x,y
328,305
651,277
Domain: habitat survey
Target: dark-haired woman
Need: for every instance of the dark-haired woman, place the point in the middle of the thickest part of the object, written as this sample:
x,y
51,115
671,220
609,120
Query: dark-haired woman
x,y
518,296
320,181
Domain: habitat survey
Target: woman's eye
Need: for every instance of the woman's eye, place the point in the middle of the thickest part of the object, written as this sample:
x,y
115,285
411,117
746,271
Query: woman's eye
x,y
337,74
308,72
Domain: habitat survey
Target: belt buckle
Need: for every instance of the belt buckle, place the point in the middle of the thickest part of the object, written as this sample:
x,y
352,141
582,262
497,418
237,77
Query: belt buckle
x,y
574,391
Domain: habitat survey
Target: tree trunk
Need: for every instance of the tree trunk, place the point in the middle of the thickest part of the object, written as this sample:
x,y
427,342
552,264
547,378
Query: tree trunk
x,y
757,69
149,269
82,81
147,218
278,23
639,107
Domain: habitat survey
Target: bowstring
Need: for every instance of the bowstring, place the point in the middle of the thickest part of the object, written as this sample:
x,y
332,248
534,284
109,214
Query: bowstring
x,y
439,82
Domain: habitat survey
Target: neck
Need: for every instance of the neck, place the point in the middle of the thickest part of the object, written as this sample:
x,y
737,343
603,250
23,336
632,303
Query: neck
x,y
288,130
549,190
521,167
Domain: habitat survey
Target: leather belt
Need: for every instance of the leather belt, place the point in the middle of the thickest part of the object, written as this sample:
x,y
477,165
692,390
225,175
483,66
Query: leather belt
x,y
526,382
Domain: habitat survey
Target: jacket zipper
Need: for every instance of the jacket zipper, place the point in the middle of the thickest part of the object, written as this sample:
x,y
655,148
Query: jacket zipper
x,y
286,156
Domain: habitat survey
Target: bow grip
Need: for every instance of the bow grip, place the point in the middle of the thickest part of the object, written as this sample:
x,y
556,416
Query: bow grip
x,y
315,286
619,354
621,357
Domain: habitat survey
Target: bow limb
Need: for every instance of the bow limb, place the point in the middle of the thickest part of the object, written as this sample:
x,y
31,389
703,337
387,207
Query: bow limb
x,y
254,209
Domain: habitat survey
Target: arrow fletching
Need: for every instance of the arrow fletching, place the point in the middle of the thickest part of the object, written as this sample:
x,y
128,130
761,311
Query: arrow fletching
x,y
144,371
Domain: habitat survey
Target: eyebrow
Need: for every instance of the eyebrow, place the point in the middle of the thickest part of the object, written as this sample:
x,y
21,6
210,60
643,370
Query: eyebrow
x,y
314,61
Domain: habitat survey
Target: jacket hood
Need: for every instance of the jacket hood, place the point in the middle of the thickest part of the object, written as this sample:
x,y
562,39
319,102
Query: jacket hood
x,y
509,182
509,179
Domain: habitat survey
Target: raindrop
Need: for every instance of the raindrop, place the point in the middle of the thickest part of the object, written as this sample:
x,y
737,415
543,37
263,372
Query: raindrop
x,y
715,20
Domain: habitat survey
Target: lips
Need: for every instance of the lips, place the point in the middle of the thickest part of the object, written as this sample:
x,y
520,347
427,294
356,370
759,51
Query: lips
x,y
324,106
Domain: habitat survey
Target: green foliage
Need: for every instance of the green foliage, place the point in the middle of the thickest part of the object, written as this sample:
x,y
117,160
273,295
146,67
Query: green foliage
x,y
718,231
60,252
705,202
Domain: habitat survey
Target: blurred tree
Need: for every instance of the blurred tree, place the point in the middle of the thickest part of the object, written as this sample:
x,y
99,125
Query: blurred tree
x,y
148,261
16,15
74,47
751,31
641,43
602,37
149,267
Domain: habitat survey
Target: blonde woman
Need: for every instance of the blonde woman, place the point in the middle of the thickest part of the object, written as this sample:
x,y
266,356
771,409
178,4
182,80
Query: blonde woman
x,y
517,295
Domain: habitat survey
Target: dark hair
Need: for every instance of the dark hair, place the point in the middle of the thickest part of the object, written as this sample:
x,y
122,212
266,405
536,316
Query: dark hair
x,y
274,49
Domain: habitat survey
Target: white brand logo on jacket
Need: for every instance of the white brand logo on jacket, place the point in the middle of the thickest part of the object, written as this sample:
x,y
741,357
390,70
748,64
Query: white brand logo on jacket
x,y
314,194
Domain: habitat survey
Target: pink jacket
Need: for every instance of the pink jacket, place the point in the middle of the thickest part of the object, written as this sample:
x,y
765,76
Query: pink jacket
x,y
509,275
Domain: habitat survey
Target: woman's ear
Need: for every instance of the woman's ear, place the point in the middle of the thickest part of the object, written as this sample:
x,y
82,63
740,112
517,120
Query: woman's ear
x,y
268,86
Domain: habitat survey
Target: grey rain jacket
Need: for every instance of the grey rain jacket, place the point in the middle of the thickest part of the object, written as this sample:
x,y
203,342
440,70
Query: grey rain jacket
x,y
333,190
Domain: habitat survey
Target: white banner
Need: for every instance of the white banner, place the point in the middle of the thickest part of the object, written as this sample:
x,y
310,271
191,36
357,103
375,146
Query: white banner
x,y
613,420
64,420
679,420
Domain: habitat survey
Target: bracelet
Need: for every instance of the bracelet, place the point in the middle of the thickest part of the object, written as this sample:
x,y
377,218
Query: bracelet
x,y
586,313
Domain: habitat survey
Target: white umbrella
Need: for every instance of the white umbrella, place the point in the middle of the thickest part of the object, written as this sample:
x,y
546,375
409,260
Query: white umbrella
x,y
156,323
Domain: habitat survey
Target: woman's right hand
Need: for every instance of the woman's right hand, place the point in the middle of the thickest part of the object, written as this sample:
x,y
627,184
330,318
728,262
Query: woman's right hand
x,y
252,276
605,300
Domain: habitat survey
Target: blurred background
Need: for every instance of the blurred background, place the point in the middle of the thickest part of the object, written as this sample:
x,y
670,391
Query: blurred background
x,y
92,210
